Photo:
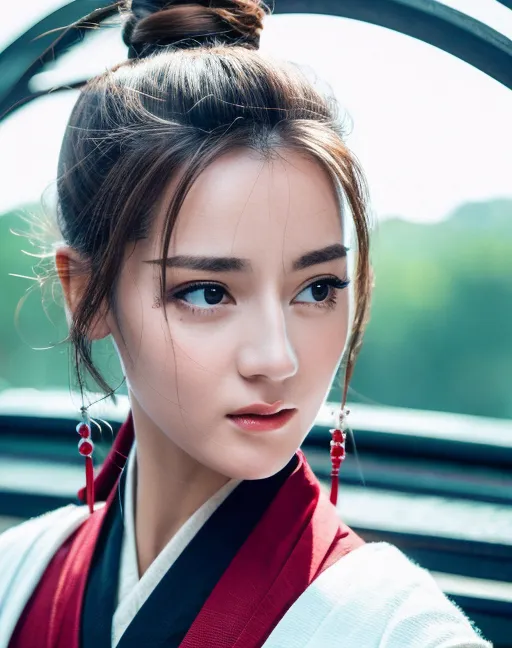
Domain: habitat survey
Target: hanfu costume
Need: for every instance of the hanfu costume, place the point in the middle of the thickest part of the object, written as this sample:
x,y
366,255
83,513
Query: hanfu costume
x,y
262,563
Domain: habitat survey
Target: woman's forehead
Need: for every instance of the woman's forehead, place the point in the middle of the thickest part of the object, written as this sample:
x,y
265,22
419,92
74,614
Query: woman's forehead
x,y
244,202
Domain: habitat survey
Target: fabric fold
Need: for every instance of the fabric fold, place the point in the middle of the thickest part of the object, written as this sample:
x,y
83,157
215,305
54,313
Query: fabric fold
x,y
297,536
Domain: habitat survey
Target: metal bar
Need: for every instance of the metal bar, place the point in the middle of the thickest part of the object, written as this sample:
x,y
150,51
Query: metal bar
x,y
27,56
428,20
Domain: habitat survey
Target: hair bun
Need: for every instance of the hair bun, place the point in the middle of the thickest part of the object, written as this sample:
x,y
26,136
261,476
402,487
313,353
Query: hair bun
x,y
156,23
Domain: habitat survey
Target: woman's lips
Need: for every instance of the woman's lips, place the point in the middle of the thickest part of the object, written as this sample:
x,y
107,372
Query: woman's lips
x,y
262,423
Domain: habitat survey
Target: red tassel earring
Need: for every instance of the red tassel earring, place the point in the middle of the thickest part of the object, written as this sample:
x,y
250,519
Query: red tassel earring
x,y
86,448
338,452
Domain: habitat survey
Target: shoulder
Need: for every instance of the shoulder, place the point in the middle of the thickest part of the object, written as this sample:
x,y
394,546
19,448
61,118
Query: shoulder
x,y
18,540
376,596
25,552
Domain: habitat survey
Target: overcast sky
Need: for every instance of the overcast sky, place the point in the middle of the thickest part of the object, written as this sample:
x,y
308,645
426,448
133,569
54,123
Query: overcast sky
x,y
431,131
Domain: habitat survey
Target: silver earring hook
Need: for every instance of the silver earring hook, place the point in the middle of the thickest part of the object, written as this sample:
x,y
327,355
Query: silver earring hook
x,y
340,416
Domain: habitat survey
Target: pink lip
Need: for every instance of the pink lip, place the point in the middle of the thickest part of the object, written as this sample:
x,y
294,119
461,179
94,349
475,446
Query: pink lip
x,y
262,423
259,408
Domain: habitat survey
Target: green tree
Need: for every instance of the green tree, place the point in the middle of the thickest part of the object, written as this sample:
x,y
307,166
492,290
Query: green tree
x,y
440,335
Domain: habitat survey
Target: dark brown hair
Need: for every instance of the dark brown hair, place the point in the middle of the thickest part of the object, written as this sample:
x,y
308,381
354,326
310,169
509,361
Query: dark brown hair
x,y
193,88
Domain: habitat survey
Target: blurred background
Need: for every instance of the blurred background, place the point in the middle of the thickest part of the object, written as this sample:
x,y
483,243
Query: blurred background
x,y
435,138
424,90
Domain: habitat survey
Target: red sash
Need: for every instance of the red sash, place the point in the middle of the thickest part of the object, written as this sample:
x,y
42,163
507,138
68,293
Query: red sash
x,y
311,538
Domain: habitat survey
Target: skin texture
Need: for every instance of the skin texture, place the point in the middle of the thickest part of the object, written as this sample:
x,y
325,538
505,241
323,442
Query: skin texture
x,y
268,339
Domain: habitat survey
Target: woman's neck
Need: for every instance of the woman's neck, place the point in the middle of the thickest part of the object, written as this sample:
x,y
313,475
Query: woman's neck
x,y
169,487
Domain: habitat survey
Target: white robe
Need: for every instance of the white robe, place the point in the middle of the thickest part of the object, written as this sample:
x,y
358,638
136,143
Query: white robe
x,y
375,597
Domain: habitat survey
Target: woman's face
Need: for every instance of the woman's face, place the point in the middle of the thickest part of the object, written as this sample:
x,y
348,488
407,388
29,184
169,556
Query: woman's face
x,y
264,329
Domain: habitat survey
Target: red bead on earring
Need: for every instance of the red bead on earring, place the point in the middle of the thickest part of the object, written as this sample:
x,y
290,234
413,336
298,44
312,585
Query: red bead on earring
x,y
338,452
86,448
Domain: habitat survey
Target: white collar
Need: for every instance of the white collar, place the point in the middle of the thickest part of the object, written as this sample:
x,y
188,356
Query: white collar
x,y
132,591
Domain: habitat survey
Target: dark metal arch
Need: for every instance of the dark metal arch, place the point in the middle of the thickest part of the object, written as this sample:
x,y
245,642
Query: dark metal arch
x,y
426,20
429,21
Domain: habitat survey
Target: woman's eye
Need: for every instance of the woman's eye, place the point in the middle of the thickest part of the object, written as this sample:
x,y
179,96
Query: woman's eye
x,y
322,290
202,296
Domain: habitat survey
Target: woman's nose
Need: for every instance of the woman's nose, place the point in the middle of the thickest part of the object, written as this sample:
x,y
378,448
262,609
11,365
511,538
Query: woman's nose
x,y
267,349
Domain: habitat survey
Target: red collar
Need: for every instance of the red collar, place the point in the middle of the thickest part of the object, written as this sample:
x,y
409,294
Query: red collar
x,y
299,536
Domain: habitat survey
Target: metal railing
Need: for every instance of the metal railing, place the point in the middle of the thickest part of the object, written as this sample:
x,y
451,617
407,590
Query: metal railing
x,y
392,490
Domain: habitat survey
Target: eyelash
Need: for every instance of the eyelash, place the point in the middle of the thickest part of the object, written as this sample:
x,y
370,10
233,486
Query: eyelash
x,y
329,303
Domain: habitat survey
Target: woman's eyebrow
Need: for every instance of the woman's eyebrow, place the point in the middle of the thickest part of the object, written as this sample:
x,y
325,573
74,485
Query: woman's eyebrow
x,y
234,264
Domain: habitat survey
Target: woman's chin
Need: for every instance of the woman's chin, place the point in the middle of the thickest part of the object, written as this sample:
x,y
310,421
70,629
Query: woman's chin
x,y
258,467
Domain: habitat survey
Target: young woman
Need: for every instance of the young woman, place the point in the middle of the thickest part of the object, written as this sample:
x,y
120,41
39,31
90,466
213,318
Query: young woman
x,y
207,204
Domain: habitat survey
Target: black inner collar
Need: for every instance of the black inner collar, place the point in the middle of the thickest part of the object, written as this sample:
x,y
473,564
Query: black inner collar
x,y
166,616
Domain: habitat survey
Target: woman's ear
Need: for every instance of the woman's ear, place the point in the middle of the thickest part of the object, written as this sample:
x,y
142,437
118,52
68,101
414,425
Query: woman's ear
x,y
73,277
